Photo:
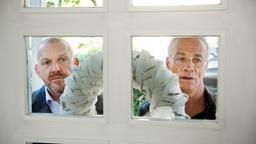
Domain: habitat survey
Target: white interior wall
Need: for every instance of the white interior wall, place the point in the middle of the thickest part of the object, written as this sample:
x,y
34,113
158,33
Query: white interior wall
x,y
238,76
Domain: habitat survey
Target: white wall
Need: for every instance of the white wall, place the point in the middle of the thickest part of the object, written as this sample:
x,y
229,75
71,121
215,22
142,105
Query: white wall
x,y
238,78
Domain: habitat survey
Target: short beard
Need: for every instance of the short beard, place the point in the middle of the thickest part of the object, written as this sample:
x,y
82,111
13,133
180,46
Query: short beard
x,y
56,92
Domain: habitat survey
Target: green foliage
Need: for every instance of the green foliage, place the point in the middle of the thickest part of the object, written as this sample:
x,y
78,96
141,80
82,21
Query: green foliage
x,y
66,1
91,51
94,2
138,99
80,46
50,4
74,3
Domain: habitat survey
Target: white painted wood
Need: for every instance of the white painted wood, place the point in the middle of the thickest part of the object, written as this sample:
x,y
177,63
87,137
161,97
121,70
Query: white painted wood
x,y
236,109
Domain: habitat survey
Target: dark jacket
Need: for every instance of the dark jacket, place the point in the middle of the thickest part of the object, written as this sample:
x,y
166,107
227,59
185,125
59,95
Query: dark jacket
x,y
208,113
210,107
39,104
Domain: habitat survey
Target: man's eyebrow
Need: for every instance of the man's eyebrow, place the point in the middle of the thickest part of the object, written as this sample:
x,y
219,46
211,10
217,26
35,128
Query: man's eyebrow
x,y
43,59
199,55
183,54
180,53
64,56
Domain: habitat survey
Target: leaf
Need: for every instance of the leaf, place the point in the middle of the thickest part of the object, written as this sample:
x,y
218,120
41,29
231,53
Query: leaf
x,y
138,99
66,1
50,4
94,2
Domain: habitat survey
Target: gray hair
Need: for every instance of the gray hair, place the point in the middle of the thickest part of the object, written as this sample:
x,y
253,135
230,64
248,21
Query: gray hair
x,y
174,40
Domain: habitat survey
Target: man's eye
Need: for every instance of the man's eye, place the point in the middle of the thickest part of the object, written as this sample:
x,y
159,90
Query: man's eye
x,y
64,59
45,62
196,60
180,59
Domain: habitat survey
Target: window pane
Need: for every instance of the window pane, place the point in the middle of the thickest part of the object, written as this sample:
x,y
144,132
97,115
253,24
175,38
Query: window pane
x,y
173,2
60,67
39,143
63,3
150,88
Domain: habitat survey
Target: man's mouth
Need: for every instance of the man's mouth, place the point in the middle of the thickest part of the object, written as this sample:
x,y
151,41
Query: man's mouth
x,y
186,78
57,77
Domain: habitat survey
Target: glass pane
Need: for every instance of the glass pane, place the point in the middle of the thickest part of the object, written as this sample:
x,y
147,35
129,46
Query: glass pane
x,y
60,73
156,63
39,143
173,2
63,3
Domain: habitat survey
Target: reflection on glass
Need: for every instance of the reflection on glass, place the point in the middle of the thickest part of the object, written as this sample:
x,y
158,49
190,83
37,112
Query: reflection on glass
x,y
173,2
63,3
53,63
187,60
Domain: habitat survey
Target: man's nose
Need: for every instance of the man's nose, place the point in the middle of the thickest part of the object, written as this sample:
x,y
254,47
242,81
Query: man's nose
x,y
189,66
55,67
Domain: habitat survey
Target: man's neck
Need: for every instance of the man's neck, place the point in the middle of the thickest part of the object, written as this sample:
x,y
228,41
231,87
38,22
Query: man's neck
x,y
54,96
195,103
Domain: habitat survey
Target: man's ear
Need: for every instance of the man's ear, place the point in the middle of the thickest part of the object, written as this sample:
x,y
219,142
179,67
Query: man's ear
x,y
167,62
206,65
37,69
76,62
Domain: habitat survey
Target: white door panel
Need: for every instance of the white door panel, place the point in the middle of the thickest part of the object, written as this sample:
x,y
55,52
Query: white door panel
x,y
235,22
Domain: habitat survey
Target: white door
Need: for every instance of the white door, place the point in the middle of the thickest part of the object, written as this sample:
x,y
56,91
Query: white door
x,y
234,21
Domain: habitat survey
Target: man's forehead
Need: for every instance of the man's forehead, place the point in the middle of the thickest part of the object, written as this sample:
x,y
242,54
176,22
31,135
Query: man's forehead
x,y
51,49
51,46
193,46
195,54
190,43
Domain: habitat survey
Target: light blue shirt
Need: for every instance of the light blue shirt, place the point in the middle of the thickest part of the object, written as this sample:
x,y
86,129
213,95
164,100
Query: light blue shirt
x,y
54,105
